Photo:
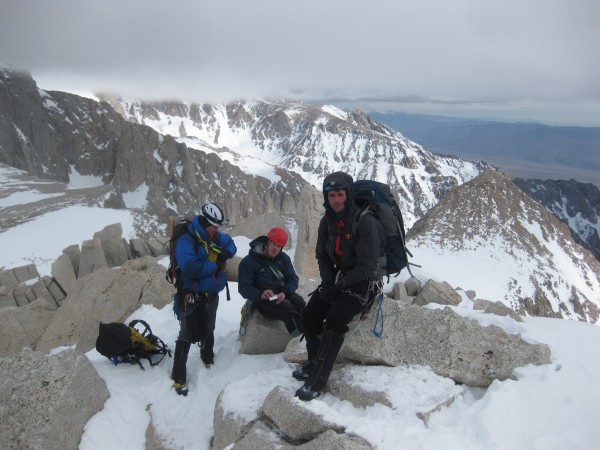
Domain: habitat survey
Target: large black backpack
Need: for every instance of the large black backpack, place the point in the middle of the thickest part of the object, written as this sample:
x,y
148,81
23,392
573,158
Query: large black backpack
x,y
178,229
373,197
124,343
173,273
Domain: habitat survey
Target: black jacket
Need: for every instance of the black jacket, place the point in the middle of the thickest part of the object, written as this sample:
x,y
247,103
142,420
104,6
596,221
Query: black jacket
x,y
362,251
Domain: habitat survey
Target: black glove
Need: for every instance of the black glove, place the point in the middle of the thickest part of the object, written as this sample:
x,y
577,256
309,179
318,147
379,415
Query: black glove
x,y
224,256
328,293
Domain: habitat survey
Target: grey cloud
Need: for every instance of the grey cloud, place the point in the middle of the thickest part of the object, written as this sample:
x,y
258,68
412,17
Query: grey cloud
x,y
460,51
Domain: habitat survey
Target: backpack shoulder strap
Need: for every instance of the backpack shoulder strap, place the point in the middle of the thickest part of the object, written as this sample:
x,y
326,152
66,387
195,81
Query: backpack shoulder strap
x,y
147,330
276,271
362,213
160,347
197,240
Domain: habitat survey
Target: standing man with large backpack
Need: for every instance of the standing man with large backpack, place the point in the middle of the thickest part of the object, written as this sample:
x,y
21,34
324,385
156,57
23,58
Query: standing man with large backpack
x,y
201,254
351,265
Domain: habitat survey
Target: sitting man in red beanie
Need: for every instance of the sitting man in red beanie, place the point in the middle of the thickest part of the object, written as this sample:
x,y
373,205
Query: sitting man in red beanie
x,y
266,277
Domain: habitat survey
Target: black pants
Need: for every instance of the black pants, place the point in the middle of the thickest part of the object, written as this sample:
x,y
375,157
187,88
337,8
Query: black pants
x,y
288,311
334,315
199,324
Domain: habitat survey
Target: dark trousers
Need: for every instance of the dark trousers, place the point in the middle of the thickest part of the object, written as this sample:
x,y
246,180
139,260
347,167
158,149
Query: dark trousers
x,y
334,315
199,324
288,311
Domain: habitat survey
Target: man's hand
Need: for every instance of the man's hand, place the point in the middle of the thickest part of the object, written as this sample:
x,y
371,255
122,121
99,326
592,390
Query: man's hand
x,y
268,294
223,256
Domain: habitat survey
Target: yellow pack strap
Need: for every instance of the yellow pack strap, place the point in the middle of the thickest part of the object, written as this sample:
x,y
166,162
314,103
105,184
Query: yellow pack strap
x,y
212,249
138,338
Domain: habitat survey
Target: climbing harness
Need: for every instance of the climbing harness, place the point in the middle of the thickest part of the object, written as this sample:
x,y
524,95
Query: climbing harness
x,y
375,291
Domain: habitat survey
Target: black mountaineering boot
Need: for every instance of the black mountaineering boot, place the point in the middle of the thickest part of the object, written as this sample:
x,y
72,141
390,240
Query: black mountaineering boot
x,y
207,354
303,373
312,348
178,375
331,345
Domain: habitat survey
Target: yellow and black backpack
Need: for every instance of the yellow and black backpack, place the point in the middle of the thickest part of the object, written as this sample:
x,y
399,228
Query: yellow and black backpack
x,y
124,343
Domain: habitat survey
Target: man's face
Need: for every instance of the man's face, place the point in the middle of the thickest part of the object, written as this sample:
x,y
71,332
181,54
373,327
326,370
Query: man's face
x,y
272,249
336,199
211,231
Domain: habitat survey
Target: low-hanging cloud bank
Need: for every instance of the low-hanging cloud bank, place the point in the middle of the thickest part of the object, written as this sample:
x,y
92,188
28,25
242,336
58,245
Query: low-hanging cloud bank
x,y
434,52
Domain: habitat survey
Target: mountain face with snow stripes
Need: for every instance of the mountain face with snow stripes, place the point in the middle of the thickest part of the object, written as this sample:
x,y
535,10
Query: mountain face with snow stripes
x,y
576,204
179,154
64,137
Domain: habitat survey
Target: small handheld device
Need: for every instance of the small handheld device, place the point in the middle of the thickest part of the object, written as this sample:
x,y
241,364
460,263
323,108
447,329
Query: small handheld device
x,y
273,297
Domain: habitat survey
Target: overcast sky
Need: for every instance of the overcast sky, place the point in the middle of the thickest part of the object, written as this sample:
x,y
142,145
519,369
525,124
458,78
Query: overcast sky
x,y
530,59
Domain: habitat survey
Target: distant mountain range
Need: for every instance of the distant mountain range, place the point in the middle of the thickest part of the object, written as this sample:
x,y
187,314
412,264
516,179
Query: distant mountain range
x,y
308,140
557,166
525,150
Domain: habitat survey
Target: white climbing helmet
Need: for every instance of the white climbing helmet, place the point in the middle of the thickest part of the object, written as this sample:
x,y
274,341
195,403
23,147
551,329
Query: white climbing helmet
x,y
213,214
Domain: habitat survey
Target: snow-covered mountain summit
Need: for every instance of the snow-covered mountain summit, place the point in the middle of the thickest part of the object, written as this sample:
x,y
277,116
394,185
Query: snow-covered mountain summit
x,y
489,236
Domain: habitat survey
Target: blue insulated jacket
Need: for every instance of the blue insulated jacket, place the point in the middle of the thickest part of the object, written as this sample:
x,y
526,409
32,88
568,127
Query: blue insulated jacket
x,y
198,272
255,274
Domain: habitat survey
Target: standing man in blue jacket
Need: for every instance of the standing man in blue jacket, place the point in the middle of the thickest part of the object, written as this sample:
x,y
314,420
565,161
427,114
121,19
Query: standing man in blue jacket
x,y
201,254
266,277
